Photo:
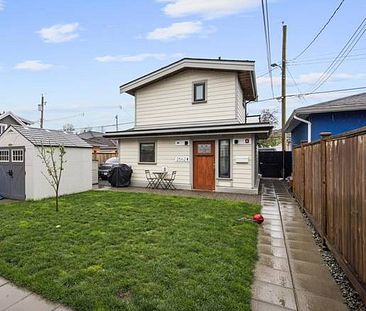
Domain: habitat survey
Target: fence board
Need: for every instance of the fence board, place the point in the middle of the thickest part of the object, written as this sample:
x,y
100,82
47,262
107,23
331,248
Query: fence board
x,y
329,181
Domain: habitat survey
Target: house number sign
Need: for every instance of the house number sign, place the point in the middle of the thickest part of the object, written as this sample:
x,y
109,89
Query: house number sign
x,y
182,159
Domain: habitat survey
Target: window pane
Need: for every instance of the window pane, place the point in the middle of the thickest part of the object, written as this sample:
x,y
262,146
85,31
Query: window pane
x,y
17,155
4,155
204,148
147,152
199,91
224,158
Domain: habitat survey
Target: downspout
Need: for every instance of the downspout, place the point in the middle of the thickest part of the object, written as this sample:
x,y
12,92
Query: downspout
x,y
309,126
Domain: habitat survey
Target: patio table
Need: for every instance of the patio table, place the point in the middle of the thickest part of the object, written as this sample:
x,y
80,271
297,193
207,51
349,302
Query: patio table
x,y
160,180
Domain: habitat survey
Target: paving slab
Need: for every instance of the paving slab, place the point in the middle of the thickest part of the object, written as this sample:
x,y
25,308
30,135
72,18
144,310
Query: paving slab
x,y
290,272
274,294
10,295
33,303
13,298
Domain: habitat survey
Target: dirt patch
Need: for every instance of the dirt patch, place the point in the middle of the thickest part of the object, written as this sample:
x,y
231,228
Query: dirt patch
x,y
124,294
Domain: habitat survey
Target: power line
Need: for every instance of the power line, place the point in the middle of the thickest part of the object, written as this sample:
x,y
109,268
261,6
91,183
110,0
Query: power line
x,y
313,93
103,126
342,55
321,30
297,86
267,40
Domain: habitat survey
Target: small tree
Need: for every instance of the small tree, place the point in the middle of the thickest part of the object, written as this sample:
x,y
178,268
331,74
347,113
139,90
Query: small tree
x,y
68,127
54,167
270,116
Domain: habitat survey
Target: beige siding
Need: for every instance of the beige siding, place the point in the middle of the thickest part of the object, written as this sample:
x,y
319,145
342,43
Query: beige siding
x,y
166,151
239,102
169,102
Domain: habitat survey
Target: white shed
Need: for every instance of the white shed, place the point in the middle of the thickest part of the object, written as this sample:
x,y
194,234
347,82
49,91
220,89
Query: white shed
x,y
21,168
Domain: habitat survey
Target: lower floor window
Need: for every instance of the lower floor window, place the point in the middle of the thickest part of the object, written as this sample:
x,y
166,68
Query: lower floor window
x,y
224,158
17,155
147,152
4,155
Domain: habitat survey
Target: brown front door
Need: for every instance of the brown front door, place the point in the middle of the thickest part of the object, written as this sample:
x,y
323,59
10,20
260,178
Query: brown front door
x,y
204,165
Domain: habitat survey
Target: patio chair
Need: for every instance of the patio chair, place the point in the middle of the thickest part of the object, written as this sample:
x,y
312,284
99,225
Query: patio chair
x,y
169,181
150,180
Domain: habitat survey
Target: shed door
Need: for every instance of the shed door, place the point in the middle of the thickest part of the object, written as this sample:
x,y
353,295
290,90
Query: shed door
x,y
12,173
204,165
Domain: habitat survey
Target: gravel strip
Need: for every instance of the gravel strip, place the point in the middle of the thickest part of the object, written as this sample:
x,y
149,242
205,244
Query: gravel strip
x,y
350,295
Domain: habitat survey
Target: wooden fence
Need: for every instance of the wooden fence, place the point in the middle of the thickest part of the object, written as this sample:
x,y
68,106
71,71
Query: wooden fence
x,y
329,181
102,156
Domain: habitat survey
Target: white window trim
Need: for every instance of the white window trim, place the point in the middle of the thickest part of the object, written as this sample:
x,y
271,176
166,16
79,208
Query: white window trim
x,y
3,161
12,156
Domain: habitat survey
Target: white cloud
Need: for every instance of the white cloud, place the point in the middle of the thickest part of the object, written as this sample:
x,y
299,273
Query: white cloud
x,y
33,65
176,31
136,58
312,77
267,81
2,5
207,8
59,33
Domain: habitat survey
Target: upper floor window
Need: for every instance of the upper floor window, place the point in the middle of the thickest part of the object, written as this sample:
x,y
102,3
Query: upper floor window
x,y
147,152
199,92
3,127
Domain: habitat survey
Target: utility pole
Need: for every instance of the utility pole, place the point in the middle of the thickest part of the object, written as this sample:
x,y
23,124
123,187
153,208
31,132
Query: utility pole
x,y
283,97
116,122
41,109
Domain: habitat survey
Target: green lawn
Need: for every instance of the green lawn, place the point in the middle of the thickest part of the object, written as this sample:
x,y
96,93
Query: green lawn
x,y
131,251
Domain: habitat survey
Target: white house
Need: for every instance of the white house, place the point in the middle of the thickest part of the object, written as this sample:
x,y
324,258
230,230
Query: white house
x,y
190,116
21,168
9,118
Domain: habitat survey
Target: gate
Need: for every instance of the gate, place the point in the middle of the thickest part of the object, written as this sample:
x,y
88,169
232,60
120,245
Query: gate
x,y
270,163
12,173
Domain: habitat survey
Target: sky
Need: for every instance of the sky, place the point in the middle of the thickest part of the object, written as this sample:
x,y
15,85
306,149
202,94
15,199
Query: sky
x,y
78,52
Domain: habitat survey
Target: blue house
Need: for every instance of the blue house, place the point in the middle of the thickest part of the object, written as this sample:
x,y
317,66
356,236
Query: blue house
x,y
335,116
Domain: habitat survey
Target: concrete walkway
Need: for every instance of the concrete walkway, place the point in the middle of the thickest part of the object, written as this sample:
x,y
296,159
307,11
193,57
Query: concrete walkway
x,y
13,298
290,273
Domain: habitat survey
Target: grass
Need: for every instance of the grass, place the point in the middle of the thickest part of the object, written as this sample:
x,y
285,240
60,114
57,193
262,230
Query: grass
x,y
131,251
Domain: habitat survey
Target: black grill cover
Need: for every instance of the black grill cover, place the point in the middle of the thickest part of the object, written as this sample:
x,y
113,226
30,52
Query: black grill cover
x,y
120,176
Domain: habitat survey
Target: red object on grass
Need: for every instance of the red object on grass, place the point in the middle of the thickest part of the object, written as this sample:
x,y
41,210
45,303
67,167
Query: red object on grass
x,y
258,218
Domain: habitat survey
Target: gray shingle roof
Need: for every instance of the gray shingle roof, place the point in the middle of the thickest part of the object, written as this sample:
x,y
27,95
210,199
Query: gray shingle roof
x,y
349,103
39,137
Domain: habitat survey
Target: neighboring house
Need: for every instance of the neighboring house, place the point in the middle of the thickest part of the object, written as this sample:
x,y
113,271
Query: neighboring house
x,y
9,118
190,117
103,147
22,171
335,116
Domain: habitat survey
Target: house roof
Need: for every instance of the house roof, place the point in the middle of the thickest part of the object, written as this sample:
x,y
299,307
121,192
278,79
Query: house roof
x,y
349,103
245,69
261,129
44,137
20,120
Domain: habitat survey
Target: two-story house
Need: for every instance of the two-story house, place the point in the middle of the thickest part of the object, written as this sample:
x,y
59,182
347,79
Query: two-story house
x,y
190,117
9,118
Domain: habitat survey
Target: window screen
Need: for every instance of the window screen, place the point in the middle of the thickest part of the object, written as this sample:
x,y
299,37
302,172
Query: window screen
x,y
199,91
147,152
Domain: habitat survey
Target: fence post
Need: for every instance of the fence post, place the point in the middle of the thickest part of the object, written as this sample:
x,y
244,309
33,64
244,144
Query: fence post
x,y
323,169
303,142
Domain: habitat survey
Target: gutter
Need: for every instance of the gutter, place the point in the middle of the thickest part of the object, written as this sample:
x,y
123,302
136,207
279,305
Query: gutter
x,y
309,126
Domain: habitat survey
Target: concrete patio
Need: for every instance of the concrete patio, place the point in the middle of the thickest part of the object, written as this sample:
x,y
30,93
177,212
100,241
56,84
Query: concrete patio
x,y
290,273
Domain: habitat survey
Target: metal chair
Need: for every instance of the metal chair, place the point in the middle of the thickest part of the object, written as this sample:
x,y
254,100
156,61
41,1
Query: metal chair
x,y
169,181
150,180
